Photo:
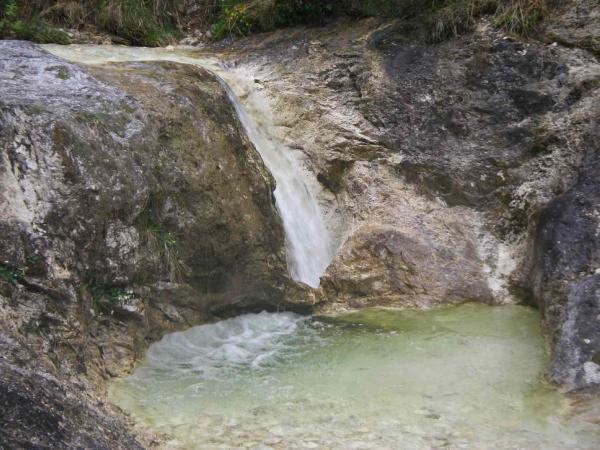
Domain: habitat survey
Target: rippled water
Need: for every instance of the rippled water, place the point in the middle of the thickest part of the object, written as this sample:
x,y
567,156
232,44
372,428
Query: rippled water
x,y
307,239
461,377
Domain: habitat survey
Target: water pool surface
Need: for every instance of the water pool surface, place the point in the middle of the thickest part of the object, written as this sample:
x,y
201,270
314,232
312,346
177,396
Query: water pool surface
x,y
461,377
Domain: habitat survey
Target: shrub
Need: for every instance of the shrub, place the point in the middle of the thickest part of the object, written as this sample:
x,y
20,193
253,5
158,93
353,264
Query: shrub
x,y
233,19
15,24
141,22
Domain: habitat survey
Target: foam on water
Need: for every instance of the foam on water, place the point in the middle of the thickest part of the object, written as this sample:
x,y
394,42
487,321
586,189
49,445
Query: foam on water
x,y
464,377
210,352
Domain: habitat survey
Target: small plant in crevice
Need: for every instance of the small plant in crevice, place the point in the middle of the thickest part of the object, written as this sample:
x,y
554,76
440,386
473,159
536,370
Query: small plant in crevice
x,y
115,295
10,273
160,241
163,243
105,299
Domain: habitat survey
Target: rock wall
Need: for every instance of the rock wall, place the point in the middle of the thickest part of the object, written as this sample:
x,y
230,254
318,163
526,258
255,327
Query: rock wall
x,y
439,164
131,204
566,275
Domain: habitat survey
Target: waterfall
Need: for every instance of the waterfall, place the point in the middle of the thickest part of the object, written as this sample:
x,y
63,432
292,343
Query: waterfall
x,y
308,244
307,240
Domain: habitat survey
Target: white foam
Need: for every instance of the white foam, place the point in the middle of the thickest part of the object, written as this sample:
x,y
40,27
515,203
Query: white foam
x,y
251,341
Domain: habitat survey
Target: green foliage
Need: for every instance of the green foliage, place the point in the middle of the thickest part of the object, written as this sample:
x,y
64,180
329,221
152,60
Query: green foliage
x,y
160,241
105,299
141,22
112,294
233,20
157,22
454,17
163,243
444,18
521,16
167,238
9,273
240,17
33,28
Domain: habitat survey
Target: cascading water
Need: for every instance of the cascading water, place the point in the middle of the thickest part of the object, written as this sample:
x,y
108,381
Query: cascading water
x,y
463,377
308,247
307,240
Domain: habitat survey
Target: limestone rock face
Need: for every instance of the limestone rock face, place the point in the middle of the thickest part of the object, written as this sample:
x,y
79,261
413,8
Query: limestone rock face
x,y
435,163
381,266
131,204
567,277
576,25
407,251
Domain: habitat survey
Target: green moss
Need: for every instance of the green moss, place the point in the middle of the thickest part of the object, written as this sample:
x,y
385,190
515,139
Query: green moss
x,y
63,73
115,122
112,294
92,117
9,273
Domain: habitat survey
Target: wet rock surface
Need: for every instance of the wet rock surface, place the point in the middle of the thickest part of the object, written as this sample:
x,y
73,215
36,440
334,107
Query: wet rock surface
x,y
436,163
567,277
132,204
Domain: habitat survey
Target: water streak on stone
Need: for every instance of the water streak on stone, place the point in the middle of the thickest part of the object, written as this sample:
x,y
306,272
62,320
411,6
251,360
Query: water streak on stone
x,y
307,240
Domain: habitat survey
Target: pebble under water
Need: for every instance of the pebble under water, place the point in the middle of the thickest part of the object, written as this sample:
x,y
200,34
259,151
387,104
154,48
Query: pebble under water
x,y
459,377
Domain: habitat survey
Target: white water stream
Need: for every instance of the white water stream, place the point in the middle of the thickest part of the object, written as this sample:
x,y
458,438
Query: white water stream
x,y
307,240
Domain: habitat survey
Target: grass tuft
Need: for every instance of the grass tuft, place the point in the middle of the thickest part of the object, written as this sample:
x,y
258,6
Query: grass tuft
x,y
521,16
147,23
